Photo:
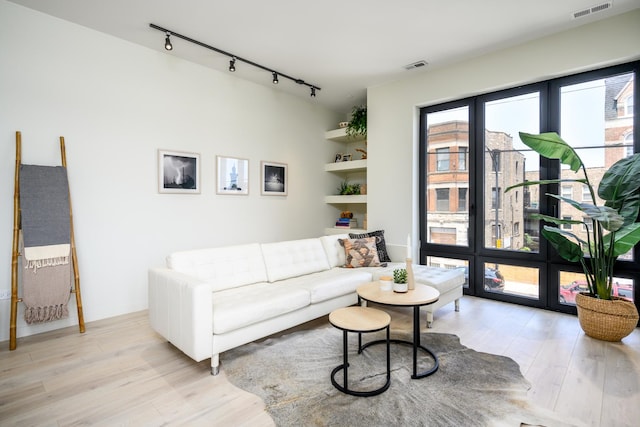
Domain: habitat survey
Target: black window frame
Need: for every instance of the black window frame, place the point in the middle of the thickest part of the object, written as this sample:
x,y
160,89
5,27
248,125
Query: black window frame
x,y
546,260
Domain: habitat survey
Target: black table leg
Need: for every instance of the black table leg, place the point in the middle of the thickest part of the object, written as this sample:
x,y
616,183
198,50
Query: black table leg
x,y
416,345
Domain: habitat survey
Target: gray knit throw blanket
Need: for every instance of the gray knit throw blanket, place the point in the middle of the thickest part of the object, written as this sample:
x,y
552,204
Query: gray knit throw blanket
x,y
46,235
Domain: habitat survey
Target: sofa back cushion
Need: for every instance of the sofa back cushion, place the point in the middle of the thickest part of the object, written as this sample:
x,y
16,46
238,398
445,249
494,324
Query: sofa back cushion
x,y
334,249
225,268
294,258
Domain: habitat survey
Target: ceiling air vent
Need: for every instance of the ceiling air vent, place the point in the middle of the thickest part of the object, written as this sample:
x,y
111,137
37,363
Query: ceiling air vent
x,y
415,65
592,9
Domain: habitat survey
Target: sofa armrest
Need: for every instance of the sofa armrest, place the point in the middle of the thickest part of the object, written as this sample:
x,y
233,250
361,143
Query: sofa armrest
x,y
180,309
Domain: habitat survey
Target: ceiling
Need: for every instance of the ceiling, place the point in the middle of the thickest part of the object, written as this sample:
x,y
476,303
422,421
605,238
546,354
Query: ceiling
x,y
341,46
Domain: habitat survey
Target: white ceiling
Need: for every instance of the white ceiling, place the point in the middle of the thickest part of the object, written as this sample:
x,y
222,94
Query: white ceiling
x,y
342,46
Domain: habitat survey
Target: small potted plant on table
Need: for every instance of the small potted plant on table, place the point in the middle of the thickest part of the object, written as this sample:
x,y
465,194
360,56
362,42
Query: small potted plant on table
x,y
400,280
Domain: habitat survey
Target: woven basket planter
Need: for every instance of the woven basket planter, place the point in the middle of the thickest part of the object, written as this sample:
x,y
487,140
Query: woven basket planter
x,y
607,320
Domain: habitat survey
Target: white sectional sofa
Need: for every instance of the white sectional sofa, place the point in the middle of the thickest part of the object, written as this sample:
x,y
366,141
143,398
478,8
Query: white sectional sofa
x,y
208,301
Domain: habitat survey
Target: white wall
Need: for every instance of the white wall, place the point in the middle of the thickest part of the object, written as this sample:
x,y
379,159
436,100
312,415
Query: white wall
x,y
116,104
393,109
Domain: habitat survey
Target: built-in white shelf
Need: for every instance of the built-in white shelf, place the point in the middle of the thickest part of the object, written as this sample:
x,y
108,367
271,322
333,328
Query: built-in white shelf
x,y
340,135
359,198
350,166
336,230
353,171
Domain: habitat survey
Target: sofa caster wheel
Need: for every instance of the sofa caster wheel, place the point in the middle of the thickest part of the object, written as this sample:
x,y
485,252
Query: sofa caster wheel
x,y
215,370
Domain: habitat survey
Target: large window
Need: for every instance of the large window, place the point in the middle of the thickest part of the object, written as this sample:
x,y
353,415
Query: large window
x,y
447,190
472,146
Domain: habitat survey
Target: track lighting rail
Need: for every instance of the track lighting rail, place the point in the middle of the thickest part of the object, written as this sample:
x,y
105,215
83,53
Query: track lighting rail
x,y
275,74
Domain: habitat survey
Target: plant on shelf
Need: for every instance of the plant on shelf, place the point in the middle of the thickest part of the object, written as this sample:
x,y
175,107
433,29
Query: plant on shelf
x,y
617,217
358,124
346,189
400,275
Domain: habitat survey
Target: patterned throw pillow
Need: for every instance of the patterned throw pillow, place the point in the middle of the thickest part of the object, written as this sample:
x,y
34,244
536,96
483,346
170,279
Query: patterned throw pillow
x,y
360,252
381,245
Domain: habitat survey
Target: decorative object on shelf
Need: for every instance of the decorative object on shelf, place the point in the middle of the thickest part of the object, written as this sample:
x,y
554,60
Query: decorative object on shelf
x,y
178,172
386,283
358,123
232,176
597,255
363,189
346,214
346,157
363,151
400,280
274,179
343,124
346,223
234,58
338,158
347,189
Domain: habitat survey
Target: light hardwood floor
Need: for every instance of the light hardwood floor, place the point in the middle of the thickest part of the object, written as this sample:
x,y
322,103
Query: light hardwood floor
x,y
120,373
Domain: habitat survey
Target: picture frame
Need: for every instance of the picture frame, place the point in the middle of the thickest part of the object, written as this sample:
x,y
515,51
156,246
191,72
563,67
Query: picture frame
x,y
338,158
274,178
232,175
346,157
178,172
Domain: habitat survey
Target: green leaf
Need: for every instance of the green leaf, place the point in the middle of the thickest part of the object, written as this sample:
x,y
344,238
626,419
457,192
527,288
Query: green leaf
x,y
610,219
545,181
554,220
566,248
577,205
629,208
621,180
550,145
625,239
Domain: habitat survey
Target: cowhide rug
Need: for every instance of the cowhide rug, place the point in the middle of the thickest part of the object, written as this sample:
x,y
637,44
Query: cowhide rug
x,y
291,373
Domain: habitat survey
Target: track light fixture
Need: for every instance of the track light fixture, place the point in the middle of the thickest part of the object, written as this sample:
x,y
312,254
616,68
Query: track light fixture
x,y
234,58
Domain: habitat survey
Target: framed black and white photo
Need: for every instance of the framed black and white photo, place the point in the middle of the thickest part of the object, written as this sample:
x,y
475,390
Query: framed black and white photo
x,y
232,175
274,179
338,157
346,157
178,172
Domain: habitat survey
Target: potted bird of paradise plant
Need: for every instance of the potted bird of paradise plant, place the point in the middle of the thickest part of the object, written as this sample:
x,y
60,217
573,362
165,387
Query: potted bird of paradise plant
x,y
612,230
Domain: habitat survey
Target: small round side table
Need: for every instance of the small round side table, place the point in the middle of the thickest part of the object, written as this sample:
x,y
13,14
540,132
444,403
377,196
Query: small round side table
x,y
359,320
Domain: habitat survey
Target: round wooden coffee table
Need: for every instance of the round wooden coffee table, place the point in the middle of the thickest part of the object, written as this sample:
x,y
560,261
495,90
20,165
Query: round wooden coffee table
x,y
416,298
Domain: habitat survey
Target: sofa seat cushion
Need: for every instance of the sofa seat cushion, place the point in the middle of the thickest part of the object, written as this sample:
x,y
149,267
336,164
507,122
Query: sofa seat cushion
x,y
246,305
224,268
293,258
328,284
443,279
